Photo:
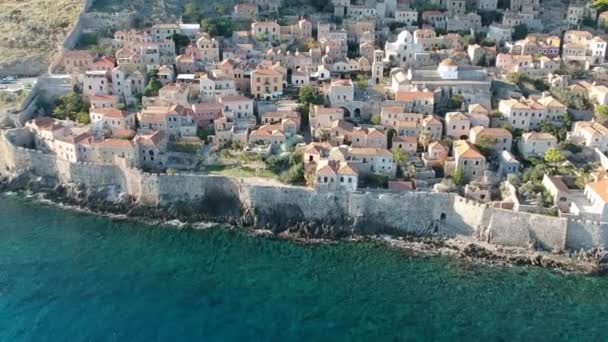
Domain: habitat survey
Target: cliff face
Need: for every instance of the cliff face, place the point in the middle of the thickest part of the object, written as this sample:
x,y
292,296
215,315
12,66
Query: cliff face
x,y
241,201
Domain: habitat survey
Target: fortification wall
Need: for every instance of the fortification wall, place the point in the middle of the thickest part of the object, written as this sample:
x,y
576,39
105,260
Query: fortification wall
x,y
520,229
586,234
421,213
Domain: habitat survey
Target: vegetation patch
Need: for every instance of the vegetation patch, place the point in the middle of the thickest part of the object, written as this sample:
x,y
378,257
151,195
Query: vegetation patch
x,y
31,30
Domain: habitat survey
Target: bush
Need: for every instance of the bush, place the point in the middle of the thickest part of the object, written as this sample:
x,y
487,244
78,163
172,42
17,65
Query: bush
x,y
294,175
277,163
375,119
218,26
376,181
458,178
72,106
204,133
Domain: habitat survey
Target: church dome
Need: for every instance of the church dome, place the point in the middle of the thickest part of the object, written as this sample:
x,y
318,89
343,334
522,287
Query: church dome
x,y
404,36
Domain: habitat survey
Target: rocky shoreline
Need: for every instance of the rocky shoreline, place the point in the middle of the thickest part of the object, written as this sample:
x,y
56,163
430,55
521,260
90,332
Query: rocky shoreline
x,y
588,262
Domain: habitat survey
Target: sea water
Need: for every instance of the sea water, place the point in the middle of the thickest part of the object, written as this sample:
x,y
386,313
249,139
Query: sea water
x,y
67,276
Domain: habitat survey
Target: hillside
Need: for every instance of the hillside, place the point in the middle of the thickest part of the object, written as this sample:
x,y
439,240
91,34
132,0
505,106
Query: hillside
x,y
146,10
30,31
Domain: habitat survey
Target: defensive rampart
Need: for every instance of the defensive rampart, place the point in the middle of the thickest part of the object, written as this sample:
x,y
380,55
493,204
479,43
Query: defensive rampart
x,y
420,213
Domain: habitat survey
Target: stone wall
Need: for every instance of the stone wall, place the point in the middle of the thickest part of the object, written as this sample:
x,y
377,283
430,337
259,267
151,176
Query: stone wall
x,y
419,213
586,234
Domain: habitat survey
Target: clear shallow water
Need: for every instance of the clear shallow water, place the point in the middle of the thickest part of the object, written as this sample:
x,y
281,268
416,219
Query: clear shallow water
x,y
73,277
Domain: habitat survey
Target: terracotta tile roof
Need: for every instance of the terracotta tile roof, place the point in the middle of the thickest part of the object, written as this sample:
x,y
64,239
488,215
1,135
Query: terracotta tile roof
x,y
407,124
431,120
456,116
318,110
343,83
112,98
110,112
152,138
400,186
342,124
347,169
266,72
550,101
84,137
478,108
435,145
119,143
490,132
280,114
369,151
198,107
405,139
464,149
392,109
325,168
413,95
537,136
600,188
268,130
234,98
317,148
44,122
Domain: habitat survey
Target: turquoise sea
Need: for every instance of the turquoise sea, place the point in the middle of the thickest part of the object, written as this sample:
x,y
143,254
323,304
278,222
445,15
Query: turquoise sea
x,y
66,276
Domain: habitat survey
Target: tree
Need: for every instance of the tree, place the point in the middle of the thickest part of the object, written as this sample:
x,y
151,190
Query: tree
x,y
520,31
424,138
375,119
601,113
152,73
83,117
310,44
361,82
180,42
600,5
513,77
514,179
589,22
322,135
293,175
572,99
458,177
153,87
308,95
554,156
455,102
489,17
485,145
72,106
192,11
218,26
352,49
399,156
221,9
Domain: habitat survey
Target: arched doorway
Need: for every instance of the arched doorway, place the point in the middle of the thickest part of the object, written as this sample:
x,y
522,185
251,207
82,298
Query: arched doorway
x,y
346,112
357,113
